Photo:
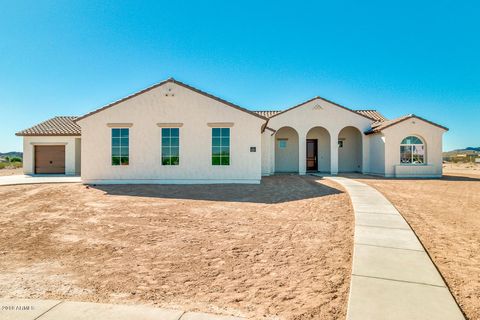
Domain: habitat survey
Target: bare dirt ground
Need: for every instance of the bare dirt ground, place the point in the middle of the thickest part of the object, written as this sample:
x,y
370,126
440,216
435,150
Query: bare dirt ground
x,y
10,172
280,249
445,214
468,169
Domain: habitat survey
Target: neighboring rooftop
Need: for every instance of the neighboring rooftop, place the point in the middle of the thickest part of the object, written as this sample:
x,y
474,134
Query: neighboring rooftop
x,y
57,126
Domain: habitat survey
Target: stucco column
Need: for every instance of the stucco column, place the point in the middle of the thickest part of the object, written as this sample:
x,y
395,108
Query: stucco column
x,y
302,153
273,141
334,152
365,154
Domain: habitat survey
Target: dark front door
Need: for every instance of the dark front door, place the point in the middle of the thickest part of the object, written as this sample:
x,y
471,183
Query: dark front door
x,y
312,154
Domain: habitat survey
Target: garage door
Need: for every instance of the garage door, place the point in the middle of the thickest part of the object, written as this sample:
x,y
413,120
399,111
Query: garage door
x,y
49,159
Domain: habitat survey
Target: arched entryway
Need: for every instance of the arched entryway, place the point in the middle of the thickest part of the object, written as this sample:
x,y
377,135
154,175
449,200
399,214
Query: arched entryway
x,y
286,150
350,150
318,150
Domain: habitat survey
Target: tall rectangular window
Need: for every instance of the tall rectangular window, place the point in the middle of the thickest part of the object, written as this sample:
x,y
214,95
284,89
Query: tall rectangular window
x,y
120,146
220,146
170,146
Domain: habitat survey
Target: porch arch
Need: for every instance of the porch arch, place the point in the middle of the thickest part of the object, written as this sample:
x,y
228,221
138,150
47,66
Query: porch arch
x,y
350,150
321,137
286,150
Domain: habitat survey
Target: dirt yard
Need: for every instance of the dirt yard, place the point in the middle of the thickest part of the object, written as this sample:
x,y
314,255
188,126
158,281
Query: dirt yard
x,y
10,171
280,249
445,214
468,169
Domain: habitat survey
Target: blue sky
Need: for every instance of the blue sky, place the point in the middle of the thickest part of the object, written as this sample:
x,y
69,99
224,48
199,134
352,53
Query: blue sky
x,y
68,58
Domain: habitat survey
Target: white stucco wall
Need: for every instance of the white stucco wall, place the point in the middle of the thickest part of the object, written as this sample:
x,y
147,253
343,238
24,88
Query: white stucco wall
x,y
29,143
171,103
78,155
321,113
267,154
350,155
286,159
430,134
377,154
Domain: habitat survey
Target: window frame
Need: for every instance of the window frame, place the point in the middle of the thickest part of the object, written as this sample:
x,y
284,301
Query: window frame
x,y
414,154
123,160
282,143
217,156
171,138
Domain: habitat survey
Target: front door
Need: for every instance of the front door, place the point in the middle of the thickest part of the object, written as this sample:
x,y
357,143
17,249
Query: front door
x,y
312,154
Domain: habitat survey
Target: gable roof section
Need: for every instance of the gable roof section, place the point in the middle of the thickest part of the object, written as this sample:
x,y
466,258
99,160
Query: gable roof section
x,y
374,114
326,100
57,126
171,80
267,113
376,128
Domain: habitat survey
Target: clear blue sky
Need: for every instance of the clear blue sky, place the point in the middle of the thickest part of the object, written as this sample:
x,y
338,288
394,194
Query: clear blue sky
x,y
68,58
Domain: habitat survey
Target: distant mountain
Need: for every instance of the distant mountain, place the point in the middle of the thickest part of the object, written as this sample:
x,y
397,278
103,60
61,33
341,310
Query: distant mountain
x,y
467,153
12,154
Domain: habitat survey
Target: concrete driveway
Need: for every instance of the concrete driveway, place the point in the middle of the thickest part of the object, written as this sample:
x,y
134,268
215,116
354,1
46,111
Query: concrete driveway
x,y
32,179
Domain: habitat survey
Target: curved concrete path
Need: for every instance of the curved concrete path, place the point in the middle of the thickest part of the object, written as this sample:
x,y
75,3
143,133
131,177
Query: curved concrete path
x,y
392,275
26,309
33,179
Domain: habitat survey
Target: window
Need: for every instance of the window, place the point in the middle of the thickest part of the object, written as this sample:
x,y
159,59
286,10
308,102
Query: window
x,y
170,146
120,150
412,150
340,143
282,144
220,146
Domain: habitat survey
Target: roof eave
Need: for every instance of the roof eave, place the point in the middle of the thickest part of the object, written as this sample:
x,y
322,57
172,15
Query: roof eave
x,y
171,80
19,134
326,100
373,131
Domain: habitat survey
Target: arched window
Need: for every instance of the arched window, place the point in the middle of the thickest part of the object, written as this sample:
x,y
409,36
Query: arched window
x,y
412,150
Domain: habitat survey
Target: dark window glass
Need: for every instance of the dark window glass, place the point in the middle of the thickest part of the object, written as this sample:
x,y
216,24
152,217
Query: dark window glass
x,y
120,146
412,151
115,133
220,146
170,146
215,132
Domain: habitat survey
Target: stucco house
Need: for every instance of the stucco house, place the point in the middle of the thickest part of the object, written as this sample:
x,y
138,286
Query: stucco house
x,y
174,133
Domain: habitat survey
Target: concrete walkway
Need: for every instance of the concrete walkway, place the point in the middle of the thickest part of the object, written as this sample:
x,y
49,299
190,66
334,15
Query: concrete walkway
x,y
32,179
392,275
25,309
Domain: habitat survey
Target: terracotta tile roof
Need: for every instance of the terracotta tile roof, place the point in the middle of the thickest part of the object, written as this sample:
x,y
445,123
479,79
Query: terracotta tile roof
x,y
374,114
267,113
57,126
379,126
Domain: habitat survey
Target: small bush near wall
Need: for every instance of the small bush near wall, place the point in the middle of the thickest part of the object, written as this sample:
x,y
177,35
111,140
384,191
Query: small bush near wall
x,y
10,165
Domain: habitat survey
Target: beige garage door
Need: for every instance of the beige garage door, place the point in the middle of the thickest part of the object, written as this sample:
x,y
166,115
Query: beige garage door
x,y
49,159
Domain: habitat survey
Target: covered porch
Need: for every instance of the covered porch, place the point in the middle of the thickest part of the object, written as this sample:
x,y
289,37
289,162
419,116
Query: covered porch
x,y
318,150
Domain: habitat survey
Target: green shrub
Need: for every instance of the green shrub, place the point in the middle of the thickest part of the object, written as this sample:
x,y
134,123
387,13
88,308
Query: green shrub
x,y
17,164
15,159
10,165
